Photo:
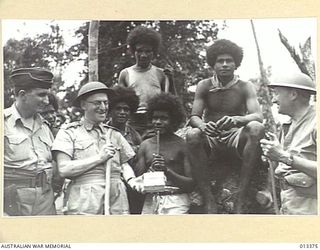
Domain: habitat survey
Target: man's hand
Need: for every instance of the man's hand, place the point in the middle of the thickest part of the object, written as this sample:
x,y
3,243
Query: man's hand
x,y
136,184
107,152
210,129
148,134
272,148
158,163
227,122
168,71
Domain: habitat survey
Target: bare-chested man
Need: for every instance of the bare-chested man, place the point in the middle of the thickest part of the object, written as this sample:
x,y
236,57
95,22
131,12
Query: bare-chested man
x,y
167,114
226,117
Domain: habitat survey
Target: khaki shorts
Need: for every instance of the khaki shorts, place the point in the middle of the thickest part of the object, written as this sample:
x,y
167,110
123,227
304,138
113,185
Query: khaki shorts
x,y
88,199
292,203
32,201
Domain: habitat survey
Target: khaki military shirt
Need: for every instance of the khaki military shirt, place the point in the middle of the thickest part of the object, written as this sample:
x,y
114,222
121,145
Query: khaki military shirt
x,y
300,140
26,148
82,139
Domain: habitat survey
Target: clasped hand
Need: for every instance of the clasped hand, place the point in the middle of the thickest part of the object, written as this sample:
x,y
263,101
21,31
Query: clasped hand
x,y
158,163
107,151
137,184
214,129
272,148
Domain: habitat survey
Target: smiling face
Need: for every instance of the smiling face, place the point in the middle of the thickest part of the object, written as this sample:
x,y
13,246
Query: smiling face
x,y
95,107
282,97
224,66
120,113
161,121
143,54
49,114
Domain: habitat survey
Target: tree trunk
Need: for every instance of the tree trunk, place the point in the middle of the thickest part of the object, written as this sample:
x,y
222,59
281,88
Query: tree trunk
x,y
93,50
264,92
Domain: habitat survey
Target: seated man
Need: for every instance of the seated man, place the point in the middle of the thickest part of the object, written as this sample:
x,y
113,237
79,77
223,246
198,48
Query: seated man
x,y
168,153
226,117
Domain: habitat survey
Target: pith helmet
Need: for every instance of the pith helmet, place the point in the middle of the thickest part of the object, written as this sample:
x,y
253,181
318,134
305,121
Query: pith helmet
x,y
296,80
32,78
92,88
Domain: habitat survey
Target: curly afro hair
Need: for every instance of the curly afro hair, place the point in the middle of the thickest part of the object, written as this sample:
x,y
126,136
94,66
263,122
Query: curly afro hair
x,y
144,35
224,46
171,104
126,95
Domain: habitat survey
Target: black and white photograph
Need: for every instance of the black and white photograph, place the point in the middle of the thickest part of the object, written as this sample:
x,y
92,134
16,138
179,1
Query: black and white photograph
x,y
159,117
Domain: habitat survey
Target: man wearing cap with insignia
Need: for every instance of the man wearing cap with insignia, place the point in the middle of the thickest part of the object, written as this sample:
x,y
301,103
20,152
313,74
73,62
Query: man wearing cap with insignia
x,y
296,150
27,146
85,149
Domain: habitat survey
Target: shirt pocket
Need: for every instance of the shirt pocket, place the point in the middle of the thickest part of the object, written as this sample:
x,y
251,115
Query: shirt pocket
x,y
16,147
84,149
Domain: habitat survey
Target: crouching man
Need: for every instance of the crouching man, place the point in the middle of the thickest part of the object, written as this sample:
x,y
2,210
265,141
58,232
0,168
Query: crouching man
x,y
226,118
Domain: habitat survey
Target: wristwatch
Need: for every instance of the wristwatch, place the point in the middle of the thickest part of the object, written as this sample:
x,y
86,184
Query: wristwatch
x,y
288,160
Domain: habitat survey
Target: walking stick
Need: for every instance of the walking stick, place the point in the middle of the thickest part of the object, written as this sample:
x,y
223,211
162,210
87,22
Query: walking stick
x,y
158,142
272,166
108,179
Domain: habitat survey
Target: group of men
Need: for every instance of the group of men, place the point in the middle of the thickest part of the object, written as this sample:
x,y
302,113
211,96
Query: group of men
x,y
129,130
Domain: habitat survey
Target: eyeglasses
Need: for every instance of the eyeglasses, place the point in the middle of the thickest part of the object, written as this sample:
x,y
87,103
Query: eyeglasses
x,y
98,103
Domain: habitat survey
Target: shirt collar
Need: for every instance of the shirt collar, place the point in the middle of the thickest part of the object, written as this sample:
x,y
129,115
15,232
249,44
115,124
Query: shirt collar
x,y
126,129
90,126
16,116
308,113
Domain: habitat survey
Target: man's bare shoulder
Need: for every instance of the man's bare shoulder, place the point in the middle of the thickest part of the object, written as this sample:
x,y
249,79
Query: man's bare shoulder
x,y
159,72
205,82
246,86
204,85
146,143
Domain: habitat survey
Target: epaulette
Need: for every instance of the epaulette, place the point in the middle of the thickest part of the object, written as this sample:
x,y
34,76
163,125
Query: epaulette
x,y
7,112
46,122
71,125
108,126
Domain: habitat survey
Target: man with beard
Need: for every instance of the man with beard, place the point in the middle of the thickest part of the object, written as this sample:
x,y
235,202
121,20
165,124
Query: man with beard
x,y
296,153
84,148
27,146
226,120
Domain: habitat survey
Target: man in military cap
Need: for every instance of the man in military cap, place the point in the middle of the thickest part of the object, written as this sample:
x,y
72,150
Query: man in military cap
x,y
85,149
27,146
296,152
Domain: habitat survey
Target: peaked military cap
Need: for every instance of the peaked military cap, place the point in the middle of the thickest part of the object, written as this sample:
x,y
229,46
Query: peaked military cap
x,y
32,78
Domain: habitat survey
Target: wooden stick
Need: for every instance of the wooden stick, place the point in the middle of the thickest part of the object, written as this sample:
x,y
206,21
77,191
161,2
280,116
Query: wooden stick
x,y
158,142
108,179
273,186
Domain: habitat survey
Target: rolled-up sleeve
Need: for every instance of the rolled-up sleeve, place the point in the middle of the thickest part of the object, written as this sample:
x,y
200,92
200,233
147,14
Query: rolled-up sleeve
x,y
63,143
